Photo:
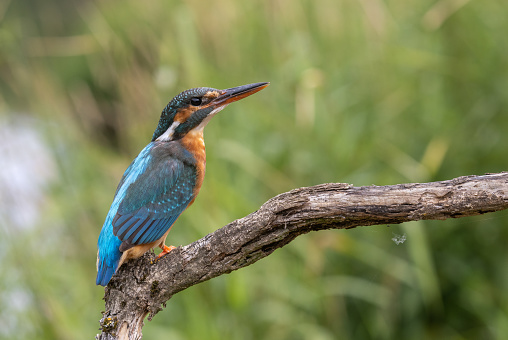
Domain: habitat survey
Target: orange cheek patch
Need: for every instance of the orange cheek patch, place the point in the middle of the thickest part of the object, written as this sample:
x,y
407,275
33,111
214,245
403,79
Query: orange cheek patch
x,y
183,114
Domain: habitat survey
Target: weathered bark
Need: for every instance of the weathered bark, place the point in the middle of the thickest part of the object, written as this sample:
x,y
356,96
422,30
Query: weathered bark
x,y
142,287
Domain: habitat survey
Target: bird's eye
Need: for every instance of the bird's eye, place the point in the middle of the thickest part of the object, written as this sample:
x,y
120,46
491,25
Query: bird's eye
x,y
195,101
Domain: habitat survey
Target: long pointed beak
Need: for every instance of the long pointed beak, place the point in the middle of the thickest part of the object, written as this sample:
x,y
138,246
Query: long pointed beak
x,y
236,93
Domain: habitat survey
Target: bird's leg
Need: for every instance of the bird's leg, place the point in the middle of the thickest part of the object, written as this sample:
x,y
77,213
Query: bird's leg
x,y
165,250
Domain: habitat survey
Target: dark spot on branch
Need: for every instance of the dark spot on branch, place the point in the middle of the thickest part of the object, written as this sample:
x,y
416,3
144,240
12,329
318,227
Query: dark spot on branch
x,y
154,289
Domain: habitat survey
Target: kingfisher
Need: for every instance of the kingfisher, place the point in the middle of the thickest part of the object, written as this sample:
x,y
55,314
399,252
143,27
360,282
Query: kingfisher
x,y
163,180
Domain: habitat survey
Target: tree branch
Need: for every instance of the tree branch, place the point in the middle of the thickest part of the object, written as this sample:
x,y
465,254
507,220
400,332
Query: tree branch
x,y
142,287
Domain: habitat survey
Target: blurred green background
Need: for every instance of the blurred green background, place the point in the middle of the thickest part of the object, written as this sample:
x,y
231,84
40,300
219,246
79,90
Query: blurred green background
x,y
364,92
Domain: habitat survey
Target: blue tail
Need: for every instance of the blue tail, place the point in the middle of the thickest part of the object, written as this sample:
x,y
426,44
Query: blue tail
x,y
105,273
108,255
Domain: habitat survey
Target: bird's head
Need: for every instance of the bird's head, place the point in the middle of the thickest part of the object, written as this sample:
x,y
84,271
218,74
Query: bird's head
x,y
193,109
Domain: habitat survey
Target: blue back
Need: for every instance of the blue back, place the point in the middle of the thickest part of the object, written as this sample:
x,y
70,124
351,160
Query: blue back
x,y
155,189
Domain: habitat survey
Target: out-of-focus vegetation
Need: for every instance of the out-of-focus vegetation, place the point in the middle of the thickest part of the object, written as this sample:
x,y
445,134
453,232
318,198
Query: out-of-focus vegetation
x,y
363,92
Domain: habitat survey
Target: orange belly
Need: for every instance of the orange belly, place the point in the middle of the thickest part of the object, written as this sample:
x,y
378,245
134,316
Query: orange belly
x,y
139,250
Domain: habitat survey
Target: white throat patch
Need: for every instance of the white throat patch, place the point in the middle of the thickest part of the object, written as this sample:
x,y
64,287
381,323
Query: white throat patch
x,y
205,121
166,136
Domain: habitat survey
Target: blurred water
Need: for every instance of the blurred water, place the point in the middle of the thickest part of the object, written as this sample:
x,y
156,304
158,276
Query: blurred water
x,y
26,169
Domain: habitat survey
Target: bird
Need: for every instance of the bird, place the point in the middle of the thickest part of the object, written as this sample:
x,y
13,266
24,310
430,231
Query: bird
x,y
163,180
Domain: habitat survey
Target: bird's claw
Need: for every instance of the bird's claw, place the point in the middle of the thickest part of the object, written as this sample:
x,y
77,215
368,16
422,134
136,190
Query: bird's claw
x,y
165,250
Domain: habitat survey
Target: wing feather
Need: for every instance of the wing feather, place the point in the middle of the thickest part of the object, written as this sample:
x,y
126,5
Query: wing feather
x,y
159,193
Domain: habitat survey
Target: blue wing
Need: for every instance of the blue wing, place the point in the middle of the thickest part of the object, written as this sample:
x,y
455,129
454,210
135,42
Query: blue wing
x,y
154,191
162,190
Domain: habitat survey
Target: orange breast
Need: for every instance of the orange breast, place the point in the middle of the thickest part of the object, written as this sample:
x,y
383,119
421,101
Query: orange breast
x,y
195,144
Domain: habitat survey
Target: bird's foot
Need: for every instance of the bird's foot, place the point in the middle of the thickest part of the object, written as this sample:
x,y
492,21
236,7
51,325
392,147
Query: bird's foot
x,y
165,250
